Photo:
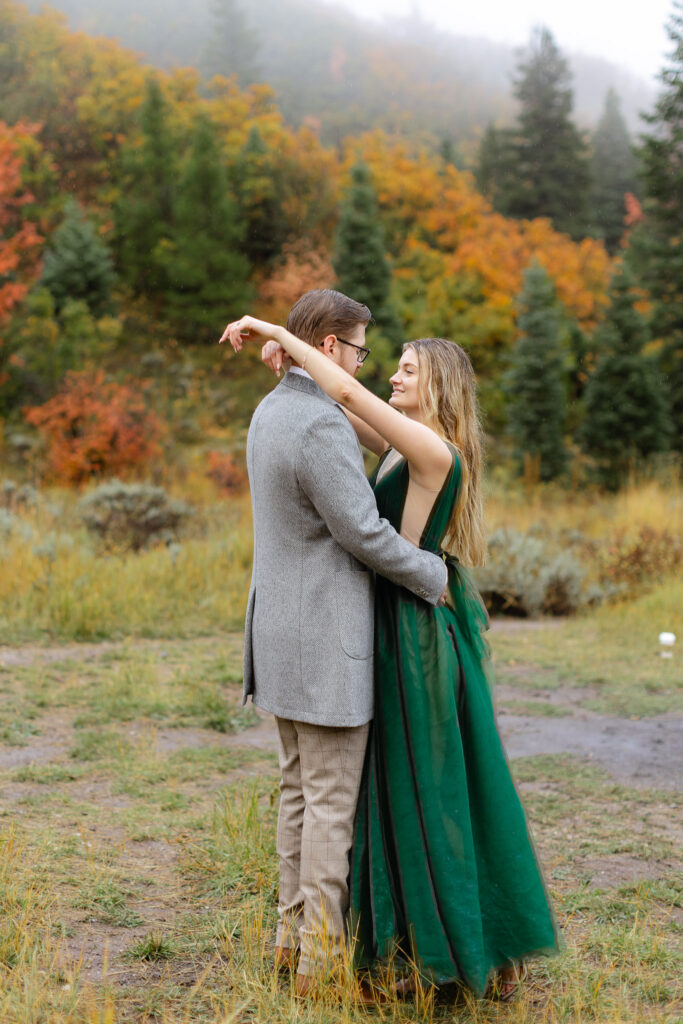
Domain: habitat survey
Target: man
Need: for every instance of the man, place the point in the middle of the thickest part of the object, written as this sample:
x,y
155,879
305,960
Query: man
x,y
309,628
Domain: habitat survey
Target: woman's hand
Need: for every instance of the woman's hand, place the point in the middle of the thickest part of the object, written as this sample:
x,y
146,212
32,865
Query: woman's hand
x,y
248,328
275,357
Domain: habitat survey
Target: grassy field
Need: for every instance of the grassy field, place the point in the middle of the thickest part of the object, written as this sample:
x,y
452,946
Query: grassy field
x,y
137,864
57,583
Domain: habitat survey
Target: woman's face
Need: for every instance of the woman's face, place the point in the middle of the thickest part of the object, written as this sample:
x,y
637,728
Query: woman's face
x,y
405,384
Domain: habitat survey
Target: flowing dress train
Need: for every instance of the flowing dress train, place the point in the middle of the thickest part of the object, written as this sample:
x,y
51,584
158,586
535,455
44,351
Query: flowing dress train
x,y
443,870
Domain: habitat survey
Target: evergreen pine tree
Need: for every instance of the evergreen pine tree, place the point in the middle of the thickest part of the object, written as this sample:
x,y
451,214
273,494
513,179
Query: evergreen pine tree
x,y
626,412
614,173
359,259
77,263
233,45
492,162
207,270
545,171
259,189
535,386
144,213
657,244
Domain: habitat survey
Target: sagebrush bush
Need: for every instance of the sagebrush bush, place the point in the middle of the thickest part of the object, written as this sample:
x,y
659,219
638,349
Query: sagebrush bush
x,y
525,576
8,523
15,497
132,516
562,583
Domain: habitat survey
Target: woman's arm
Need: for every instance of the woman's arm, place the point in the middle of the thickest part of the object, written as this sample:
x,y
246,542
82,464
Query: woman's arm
x,y
429,457
368,437
277,359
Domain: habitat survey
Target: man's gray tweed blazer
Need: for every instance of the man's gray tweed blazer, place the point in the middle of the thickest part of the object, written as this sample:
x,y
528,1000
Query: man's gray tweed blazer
x,y
309,628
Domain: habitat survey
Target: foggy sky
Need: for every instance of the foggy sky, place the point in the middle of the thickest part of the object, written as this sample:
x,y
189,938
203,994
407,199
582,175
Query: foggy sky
x,y
631,35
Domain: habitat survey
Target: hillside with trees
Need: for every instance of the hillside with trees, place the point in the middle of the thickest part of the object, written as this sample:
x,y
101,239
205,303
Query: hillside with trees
x,y
348,74
141,209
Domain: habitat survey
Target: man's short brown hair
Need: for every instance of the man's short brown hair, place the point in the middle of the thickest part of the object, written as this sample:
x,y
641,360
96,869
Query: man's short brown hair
x,y
324,311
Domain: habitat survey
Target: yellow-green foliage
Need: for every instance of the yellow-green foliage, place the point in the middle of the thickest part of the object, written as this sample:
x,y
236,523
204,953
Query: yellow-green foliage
x,y
655,503
55,581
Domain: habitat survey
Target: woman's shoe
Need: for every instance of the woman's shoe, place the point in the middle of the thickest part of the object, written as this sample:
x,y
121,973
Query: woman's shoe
x,y
406,986
507,983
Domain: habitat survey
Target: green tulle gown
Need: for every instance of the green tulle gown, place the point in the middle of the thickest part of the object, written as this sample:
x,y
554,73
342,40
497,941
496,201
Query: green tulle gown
x,y
442,869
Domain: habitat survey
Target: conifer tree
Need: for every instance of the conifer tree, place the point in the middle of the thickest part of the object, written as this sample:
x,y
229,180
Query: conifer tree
x,y
233,46
259,188
207,270
657,244
77,263
614,173
491,162
535,386
626,411
144,213
544,163
359,259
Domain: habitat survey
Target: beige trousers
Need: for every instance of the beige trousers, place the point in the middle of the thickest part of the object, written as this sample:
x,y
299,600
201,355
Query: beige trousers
x,y
321,770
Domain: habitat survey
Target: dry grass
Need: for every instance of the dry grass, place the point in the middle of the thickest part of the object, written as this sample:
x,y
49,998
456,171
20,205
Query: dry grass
x,y
57,582
656,503
138,871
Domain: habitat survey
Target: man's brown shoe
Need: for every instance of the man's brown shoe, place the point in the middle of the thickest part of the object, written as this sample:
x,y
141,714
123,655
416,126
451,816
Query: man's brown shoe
x,y
285,958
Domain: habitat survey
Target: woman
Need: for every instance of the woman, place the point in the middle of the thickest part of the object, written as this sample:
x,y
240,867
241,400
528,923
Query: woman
x,y
443,870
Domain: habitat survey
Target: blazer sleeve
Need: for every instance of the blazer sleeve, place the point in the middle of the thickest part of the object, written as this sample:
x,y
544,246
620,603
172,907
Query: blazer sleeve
x,y
330,472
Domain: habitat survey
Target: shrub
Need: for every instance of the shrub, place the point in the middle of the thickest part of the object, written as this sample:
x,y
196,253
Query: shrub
x,y
562,583
12,526
628,561
132,516
226,472
526,577
95,426
8,523
15,497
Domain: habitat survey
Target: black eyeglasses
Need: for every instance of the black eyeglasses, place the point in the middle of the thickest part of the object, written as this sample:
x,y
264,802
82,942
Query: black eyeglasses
x,y
362,353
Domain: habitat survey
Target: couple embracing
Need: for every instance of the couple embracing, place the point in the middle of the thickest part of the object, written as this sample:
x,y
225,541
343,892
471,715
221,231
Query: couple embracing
x,y
399,825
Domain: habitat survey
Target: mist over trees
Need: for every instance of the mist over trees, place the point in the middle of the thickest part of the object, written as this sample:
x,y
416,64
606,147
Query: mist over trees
x,y
348,74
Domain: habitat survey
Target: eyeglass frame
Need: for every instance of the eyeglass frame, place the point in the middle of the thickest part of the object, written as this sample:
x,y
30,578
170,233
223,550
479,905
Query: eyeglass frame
x,y
362,352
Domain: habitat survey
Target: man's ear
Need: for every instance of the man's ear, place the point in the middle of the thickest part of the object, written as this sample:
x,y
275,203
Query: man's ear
x,y
329,344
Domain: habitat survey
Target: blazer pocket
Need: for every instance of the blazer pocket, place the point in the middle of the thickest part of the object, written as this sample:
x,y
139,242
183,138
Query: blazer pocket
x,y
355,612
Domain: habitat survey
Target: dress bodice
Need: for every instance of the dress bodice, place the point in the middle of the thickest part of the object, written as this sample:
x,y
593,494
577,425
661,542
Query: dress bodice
x,y
391,493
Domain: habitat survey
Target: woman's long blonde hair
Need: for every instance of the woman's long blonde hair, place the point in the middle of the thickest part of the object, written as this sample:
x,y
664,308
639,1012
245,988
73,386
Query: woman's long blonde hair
x,y
449,405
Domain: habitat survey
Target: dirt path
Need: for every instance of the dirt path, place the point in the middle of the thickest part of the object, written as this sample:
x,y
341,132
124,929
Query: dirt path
x,y
646,752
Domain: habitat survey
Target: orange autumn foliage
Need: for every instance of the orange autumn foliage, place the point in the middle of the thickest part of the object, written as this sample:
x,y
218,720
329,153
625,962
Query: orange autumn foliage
x,y
301,270
95,427
226,472
428,205
19,239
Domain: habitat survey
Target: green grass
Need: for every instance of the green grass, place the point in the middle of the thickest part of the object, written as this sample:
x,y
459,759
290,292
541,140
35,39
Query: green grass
x,y
153,947
108,901
162,853
611,653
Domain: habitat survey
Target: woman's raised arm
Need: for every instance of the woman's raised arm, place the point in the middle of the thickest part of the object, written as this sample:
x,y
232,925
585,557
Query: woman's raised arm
x,y
429,457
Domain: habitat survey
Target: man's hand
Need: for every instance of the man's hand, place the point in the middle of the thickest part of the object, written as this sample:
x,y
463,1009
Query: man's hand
x,y
275,357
